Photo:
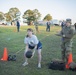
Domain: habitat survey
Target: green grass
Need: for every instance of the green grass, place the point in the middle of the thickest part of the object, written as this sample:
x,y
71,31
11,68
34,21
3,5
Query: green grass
x,y
14,42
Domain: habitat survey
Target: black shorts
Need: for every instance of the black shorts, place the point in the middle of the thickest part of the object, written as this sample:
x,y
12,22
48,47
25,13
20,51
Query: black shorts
x,y
39,46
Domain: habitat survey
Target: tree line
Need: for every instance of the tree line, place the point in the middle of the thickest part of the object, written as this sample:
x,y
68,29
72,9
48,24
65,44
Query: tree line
x,y
29,15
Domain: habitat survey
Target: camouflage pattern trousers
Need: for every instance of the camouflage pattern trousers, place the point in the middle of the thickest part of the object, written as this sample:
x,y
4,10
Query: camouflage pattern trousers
x,y
66,49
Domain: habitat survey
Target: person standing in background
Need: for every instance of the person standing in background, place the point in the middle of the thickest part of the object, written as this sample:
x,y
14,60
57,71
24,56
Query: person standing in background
x,y
36,26
75,26
48,26
18,26
63,24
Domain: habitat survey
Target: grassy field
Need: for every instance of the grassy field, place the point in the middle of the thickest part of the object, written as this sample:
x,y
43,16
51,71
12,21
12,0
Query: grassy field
x,y
14,42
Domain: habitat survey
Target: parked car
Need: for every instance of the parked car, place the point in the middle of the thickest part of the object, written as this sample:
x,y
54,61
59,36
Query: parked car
x,y
55,22
3,23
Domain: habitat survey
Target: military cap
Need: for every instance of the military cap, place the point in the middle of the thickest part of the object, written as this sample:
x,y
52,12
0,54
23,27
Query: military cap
x,y
68,20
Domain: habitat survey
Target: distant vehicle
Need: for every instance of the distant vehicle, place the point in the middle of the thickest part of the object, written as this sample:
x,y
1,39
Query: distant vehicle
x,y
42,22
3,23
55,22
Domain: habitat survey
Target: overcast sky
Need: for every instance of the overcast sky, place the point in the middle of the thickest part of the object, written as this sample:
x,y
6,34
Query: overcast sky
x,y
59,9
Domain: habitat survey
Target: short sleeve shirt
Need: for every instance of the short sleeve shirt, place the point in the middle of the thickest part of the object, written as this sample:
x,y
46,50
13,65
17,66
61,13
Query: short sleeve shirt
x,y
32,41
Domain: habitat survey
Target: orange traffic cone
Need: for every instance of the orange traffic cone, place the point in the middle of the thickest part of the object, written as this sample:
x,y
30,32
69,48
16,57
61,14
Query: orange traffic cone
x,y
5,55
70,60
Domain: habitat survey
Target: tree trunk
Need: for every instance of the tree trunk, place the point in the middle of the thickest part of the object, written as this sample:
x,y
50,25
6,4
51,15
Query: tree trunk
x,y
30,23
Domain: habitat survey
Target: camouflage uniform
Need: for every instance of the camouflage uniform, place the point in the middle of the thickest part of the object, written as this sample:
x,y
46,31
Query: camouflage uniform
x,y
36,26
75,26
67,34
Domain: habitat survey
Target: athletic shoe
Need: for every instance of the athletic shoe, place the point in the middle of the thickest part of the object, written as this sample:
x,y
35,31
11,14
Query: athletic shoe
x,y
39,65
25,63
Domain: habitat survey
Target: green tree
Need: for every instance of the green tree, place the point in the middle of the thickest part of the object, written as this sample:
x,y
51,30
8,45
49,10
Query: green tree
x,y
2,16
37,14
31,15
8,17
14,12
48,17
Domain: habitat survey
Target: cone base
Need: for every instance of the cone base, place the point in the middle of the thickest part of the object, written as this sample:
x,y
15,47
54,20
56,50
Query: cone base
x,y
67,67
3,59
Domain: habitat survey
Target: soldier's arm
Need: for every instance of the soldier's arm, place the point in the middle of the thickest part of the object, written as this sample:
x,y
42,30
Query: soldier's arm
x,y
59,33
70,35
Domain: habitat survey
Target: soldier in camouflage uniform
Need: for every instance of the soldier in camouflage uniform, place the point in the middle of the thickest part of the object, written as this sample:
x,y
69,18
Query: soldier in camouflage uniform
x,y
36,26
75,26
67,34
